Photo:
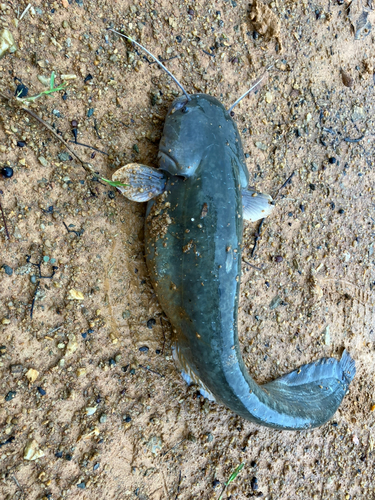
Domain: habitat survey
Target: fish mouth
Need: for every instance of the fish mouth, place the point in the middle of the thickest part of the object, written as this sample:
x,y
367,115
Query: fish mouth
x,y
168,163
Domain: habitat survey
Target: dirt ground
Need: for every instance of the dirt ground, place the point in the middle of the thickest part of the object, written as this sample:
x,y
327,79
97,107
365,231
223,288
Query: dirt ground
x,y
88,383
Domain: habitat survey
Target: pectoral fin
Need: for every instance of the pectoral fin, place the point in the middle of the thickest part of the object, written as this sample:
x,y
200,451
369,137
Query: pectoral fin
x,y
142,183
255,205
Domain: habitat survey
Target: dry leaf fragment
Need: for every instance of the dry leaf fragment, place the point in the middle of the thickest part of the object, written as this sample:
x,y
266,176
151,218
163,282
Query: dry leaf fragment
x,y
75,295
32,450
32,375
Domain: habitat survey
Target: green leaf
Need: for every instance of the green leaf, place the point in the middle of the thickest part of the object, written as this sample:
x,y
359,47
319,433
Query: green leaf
x,y
52,81
113,183
232,477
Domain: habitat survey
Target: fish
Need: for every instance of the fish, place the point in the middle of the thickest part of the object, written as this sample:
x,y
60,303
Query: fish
x,y
197,201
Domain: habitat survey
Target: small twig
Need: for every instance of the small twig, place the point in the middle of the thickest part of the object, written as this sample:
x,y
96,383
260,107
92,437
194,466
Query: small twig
x,y
178,485
353,141
257,237
175,446
149,370
54,330
4,221
25,12
208,53
91,147
161,60
252,265
286,182
96,128
77,233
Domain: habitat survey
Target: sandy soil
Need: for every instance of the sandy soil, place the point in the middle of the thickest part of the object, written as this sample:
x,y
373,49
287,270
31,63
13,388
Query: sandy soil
x,y
108,410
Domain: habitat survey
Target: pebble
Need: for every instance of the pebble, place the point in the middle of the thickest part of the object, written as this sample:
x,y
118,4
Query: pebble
x,y
275,302
154,444
5,321
81,372
261,146
7,43
41,391
358,114
7,172
43,161
90,410
254,483
16,369
44,80
278,258
8,270
268,97
150,323
143,348
103,418
11,395
32,451
81,485
72,344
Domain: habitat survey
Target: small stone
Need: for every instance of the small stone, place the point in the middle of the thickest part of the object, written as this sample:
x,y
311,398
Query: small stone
x,y
332,160
155,444
90,410
32,451
8,270
143,348
278,258
7,172
103,418
275,302
7,43
268,97
72,344
31,375
126,314
358,114
261,146
5,321
44,80
150,323
81,372
347,80
81,485
75,295
11,395
16,369
43,161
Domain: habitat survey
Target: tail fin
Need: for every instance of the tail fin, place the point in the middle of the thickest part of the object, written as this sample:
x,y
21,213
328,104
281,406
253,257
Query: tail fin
x,y
315,389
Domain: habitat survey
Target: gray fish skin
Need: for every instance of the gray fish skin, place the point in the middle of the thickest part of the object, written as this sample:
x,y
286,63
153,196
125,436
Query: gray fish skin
x,y
193,239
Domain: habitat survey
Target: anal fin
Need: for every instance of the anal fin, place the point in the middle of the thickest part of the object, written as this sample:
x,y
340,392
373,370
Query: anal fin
x,y
188,374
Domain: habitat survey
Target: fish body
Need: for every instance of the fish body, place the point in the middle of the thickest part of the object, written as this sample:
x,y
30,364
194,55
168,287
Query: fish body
x,y
193,246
